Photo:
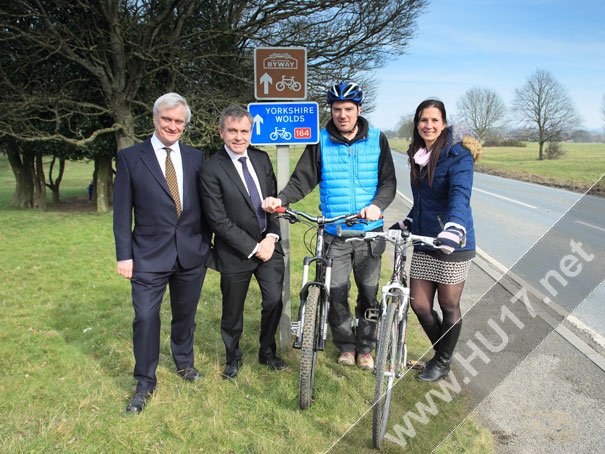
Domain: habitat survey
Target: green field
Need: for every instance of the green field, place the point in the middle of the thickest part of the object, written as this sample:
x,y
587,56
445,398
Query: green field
x,y
66,357
582,165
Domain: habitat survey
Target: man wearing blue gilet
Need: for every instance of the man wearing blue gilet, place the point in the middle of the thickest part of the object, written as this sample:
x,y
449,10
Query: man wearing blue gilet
x,y
353,166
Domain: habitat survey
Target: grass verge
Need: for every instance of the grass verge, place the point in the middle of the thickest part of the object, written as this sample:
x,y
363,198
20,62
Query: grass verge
x,y
66,356
582,165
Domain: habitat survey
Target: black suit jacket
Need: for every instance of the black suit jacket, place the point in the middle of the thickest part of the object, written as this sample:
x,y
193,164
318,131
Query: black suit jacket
x,y
158,236
230,213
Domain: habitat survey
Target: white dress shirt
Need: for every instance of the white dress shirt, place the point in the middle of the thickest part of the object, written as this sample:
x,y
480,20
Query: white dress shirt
x,y
175,157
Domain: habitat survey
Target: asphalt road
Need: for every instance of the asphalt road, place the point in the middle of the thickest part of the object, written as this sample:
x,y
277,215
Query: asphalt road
x,y
542,391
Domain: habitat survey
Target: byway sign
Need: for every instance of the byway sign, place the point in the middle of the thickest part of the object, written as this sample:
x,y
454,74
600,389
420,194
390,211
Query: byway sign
x,y
280,73
292,123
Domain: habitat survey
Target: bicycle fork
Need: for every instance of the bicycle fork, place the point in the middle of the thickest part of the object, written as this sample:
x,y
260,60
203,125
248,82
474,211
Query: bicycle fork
x,y
402,322
297,327
393,292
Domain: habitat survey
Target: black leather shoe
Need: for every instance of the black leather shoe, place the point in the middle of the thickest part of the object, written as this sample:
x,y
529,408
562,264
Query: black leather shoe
x,y
138,402
190,374
274,363
231,370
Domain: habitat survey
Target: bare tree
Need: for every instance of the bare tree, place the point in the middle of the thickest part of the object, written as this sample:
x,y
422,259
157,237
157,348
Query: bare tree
x,y
545,109
405,128
481,109
73,70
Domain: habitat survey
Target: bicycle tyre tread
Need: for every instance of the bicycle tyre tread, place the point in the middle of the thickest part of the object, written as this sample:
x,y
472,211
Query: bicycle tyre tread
x,y
307,351
382,397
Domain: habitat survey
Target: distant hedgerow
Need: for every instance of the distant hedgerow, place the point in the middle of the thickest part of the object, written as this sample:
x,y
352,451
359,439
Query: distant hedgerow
x,y
504,143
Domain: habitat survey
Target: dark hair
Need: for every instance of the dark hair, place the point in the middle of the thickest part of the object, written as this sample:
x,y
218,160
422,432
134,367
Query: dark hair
x,y
418,142
234,111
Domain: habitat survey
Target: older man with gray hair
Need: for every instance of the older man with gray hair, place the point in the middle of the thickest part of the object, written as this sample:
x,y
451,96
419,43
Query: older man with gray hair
x,y
157,186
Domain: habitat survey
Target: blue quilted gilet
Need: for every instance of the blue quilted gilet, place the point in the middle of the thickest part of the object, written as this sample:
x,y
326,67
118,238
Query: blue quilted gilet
x,y
349,177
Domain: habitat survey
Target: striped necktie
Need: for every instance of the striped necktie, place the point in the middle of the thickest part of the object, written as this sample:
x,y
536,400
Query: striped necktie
x,y
173,183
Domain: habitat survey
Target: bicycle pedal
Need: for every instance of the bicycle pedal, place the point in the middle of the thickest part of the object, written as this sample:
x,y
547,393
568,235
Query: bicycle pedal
x,y
294,328
372,315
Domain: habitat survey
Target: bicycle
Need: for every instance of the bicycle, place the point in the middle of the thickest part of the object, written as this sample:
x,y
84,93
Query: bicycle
x,y
311,329
281,133
288,82
391,317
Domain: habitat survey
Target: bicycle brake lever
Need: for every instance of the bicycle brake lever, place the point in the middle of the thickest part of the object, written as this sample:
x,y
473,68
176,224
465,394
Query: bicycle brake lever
x,y
352,222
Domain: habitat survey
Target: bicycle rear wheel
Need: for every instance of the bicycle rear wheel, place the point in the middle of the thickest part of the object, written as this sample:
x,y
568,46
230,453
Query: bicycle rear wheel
x,y
308,353
386,360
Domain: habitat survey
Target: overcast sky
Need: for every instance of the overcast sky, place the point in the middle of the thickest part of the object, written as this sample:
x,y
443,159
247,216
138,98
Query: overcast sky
x,y
462,44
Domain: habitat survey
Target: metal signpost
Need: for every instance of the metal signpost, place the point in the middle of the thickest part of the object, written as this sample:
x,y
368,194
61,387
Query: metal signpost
x,y
280,73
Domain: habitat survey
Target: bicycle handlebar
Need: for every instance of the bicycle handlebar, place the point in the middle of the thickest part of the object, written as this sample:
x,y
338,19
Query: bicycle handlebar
x,y
394,236
320,220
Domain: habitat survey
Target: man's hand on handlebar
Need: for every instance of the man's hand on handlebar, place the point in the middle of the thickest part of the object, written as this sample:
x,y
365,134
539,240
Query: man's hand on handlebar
x,y
270,204
371,213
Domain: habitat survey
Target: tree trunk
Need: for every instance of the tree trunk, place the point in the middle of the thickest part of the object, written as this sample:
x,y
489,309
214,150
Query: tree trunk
x,y
103,164
24,179
540,151
103,183
54,184
39,184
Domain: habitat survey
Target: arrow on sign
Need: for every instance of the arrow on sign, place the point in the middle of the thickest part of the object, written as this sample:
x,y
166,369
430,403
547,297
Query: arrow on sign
x,y
266,80
258,120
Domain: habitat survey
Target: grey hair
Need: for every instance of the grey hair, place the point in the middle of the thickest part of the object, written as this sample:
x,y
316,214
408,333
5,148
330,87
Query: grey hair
x,y
233,111
171,100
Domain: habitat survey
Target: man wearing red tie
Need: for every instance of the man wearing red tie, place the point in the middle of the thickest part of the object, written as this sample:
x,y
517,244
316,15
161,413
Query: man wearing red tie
x,y
246,239
157,183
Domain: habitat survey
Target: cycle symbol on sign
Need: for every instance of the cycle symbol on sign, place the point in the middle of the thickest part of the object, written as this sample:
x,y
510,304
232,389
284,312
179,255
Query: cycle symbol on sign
x,y
288,82
281,133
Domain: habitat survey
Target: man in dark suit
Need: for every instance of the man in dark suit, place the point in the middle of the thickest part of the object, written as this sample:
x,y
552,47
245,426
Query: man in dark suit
x,y
158,180
246,239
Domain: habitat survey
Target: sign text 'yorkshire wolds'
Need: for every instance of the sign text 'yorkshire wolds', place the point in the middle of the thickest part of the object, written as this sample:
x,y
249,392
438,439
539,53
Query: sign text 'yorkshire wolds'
x,y
293,123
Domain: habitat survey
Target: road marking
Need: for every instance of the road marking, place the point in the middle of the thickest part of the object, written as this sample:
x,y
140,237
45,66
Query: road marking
x,y
497,272
590,225
505,198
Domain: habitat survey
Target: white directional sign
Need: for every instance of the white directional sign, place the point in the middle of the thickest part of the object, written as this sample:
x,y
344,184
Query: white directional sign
x,y
280,73
292,123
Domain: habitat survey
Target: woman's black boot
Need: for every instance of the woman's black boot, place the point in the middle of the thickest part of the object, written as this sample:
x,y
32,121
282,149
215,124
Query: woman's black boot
x,y
439,366
433,331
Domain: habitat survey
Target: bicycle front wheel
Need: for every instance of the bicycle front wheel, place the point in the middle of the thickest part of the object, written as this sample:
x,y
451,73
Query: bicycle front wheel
x,y
308,353
386,359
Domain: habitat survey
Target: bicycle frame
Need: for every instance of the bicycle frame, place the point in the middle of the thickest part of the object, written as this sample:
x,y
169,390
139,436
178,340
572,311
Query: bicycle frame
x,y
397,287
323,273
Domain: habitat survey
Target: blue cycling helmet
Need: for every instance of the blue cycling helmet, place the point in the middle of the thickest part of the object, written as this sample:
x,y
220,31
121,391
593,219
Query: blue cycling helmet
x,y
345,91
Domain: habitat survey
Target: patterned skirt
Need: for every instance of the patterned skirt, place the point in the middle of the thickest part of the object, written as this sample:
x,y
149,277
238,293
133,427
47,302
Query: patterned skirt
x,y
429,268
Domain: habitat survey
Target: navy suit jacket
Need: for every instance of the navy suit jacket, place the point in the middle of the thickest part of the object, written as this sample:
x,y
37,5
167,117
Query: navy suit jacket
x,y
230,213
158,236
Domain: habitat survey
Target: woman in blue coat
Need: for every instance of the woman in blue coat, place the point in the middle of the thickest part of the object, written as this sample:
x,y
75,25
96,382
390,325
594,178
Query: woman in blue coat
x,y
441,180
